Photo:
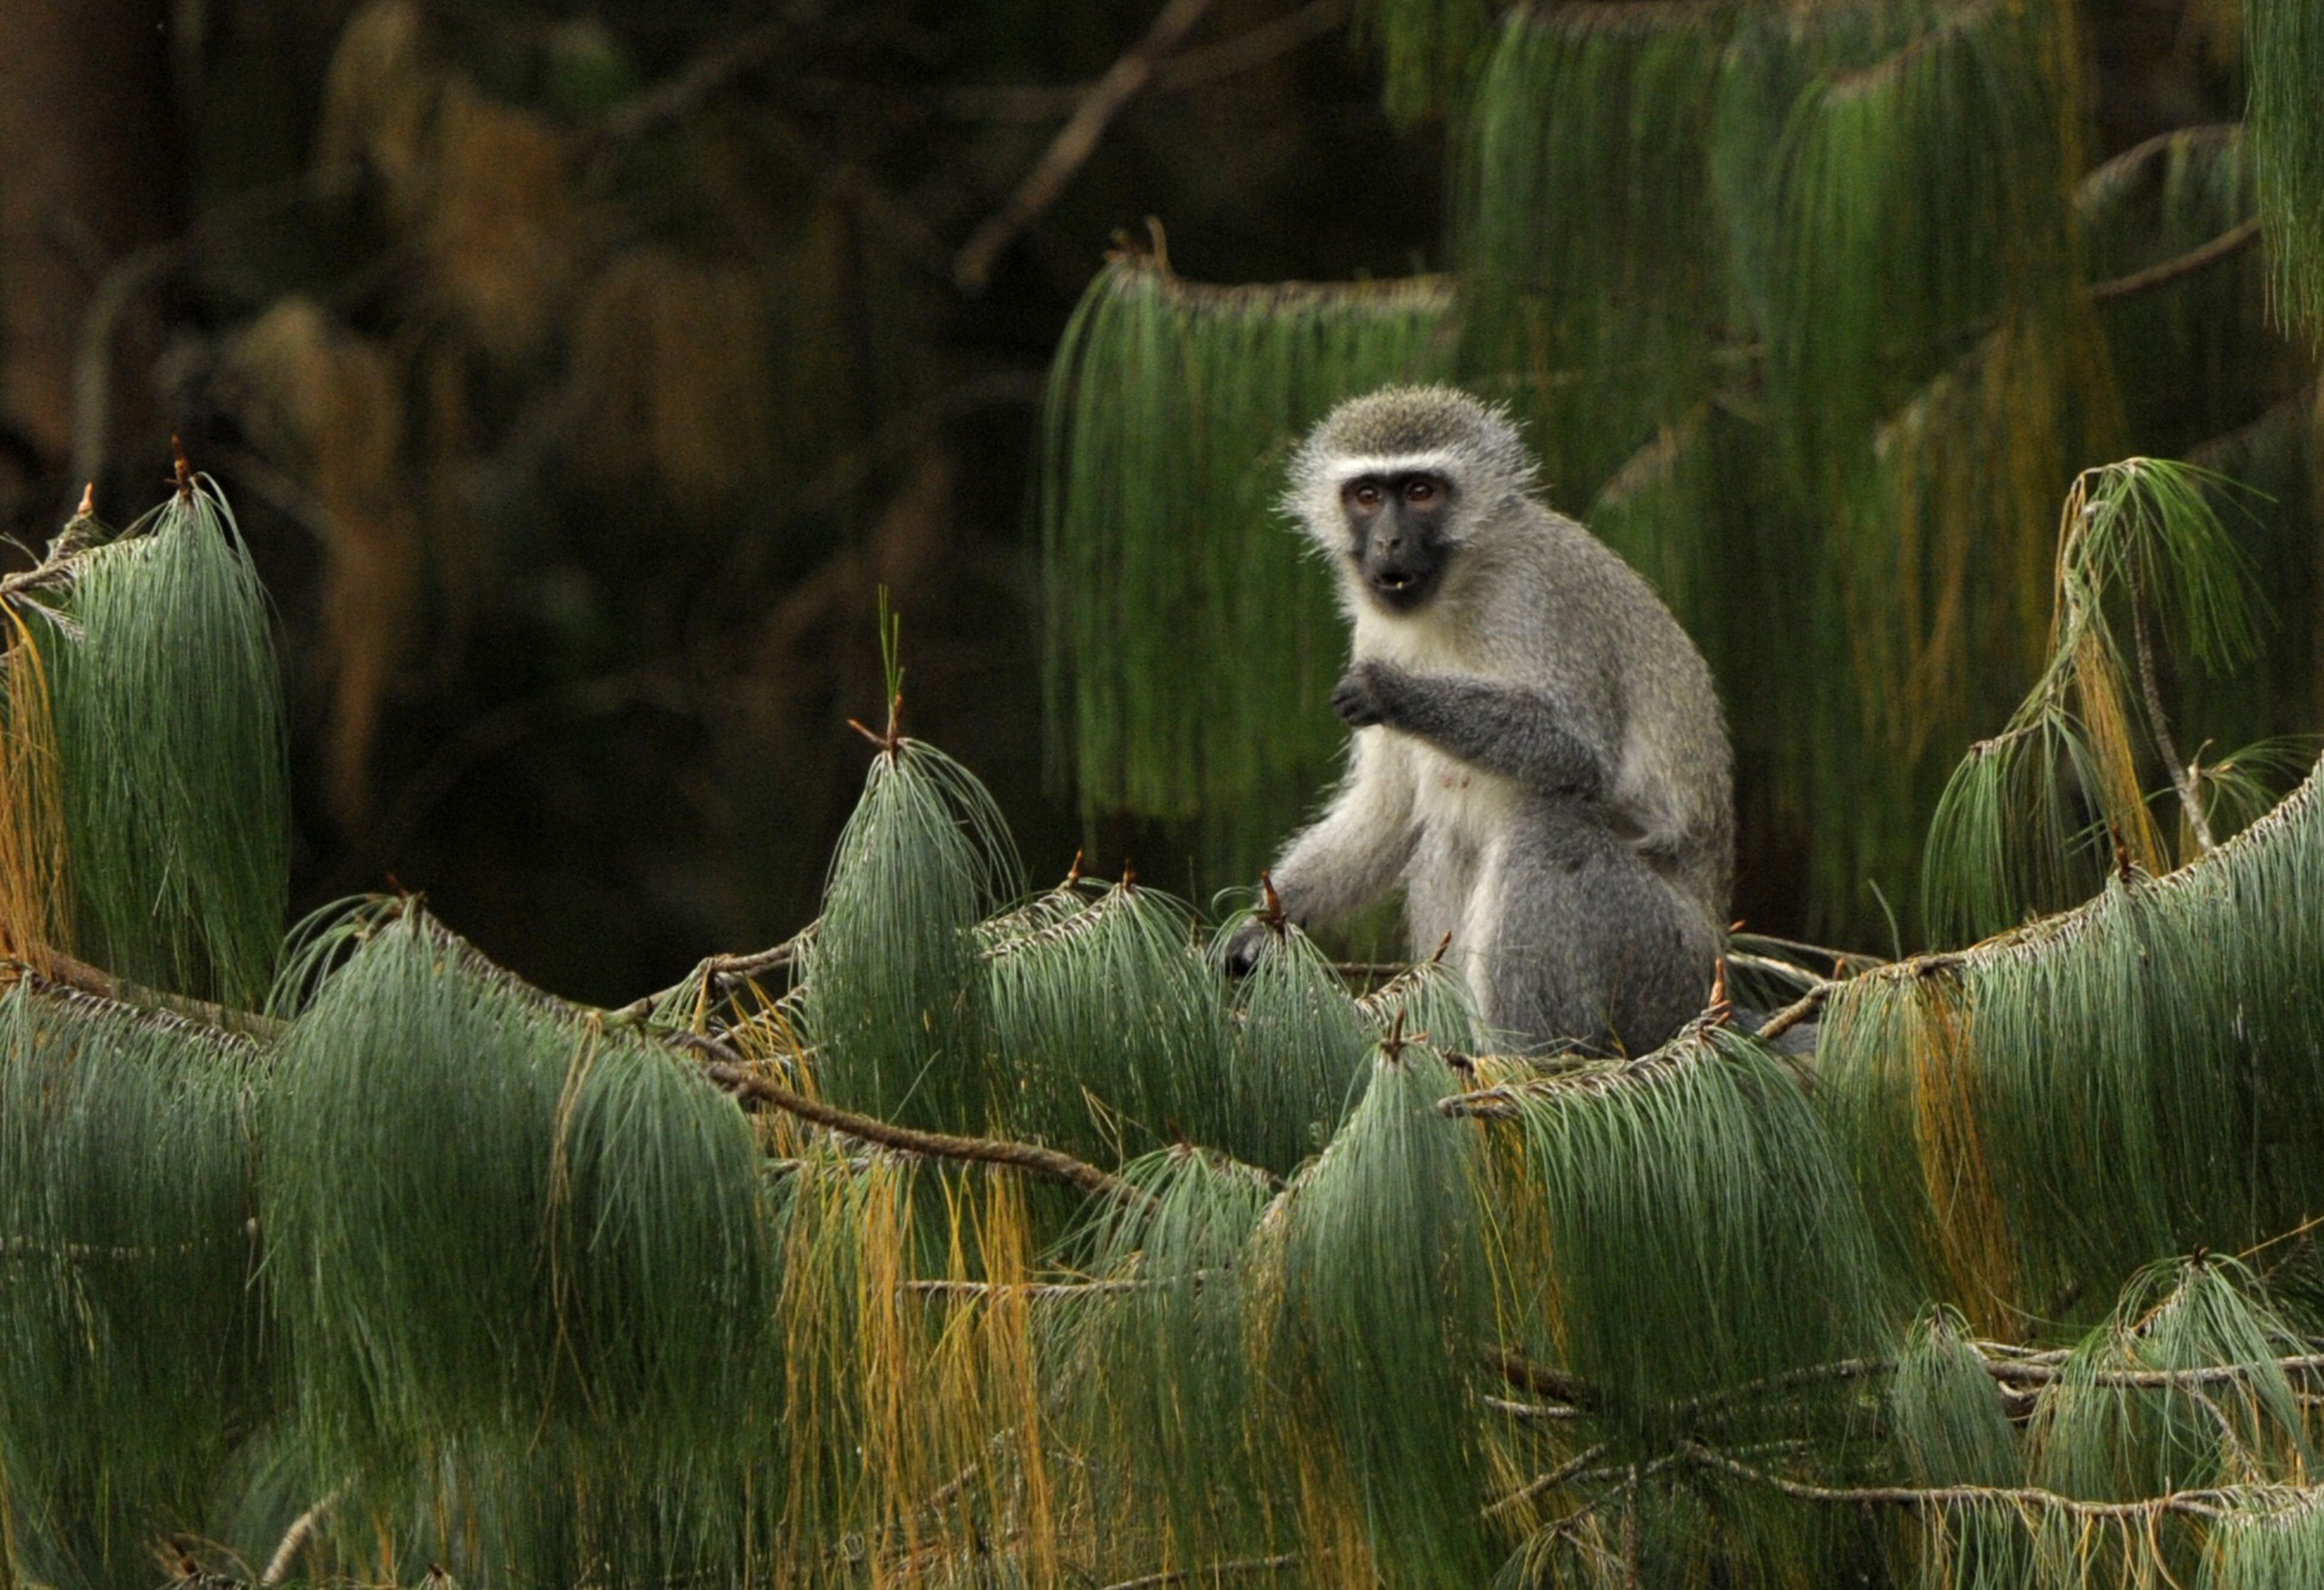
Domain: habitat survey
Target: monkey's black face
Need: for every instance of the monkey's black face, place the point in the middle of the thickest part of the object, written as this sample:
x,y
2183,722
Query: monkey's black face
x,y
1396,528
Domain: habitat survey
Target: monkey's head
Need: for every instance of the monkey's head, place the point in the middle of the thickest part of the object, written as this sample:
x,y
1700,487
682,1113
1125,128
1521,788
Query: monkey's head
x,y
1392,485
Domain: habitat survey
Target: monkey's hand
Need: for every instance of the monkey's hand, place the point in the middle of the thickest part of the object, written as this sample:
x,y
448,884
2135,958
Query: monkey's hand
x,y
1242,951
1362,695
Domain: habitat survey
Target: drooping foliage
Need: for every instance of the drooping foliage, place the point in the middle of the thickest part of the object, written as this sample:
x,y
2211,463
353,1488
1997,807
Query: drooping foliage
x,y
129,1330
2186,1004
2286,47
1171,408
2139,534
159,665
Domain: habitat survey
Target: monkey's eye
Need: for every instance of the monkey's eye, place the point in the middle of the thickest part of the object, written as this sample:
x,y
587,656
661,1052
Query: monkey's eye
x,y
1365,496
1420,490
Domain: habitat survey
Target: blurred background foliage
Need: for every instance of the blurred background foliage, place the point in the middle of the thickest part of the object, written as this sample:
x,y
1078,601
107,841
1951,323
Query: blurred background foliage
x,y
581,372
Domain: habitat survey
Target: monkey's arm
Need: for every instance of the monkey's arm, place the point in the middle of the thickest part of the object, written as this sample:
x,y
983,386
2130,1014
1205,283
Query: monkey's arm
x,y
1347,858
1354,852
1500,727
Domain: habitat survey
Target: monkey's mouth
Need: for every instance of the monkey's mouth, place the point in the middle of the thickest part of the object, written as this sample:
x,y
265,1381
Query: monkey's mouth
x,y
1402,590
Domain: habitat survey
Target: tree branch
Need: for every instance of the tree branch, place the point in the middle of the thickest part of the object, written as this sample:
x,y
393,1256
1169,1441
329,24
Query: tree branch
x,y
1542,1484
1216,1570
707,75
2211,1504
729,1070
2233,241
1255,46
2189,801
60,971
1074,143
717,973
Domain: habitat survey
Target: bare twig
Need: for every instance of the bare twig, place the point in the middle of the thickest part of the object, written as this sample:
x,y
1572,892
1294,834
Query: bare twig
x,y
2210,1503
1216,1570
706,76
302,1530
1252,48
2231,242
1523,1373
1807,1004
1768,965
60,971
882,212
729,1070
121,286
2190,800
1049,1291
1075,142
716,973
2105,180
2018,1374
1542,1484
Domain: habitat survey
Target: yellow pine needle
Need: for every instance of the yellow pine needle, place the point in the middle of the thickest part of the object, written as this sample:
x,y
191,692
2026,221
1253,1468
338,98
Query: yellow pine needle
x,y
34,900
1972,1228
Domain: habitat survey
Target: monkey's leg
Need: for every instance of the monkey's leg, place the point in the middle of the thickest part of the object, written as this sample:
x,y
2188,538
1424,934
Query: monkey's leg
x,y
1587,945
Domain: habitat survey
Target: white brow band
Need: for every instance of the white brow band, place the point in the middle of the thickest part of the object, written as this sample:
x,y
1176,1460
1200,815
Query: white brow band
x,y
1394,464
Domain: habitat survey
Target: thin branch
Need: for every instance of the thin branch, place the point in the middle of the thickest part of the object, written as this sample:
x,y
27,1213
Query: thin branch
x,y
1074,143
302,1530
2120,170
2024,1373
2190,800
718,972
1254,47
850,185
1807,1004
2211,1504
1532,1412
56,969
1542,1484
729,1070
2018,1374
1216,1570
1781,970
1047,1291
2231,242
1521,1372
706,76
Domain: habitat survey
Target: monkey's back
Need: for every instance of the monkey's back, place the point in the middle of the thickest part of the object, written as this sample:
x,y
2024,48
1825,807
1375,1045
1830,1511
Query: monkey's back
x,y
1584,625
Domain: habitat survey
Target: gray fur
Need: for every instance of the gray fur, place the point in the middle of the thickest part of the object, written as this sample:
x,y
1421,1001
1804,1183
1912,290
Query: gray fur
x,y
1539,757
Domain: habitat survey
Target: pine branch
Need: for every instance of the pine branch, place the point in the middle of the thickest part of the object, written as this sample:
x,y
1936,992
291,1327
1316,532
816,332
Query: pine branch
x,y
1542,1484
2018,1374
302,1529
63,972
1217,1570
1045,1291
707,77
720,973
2217,1503
731,1071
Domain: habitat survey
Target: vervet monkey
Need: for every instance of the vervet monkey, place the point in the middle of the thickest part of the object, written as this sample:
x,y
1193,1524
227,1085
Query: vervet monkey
x,y
1539,758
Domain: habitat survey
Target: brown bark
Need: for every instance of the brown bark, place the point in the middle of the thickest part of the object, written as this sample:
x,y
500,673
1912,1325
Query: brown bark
x,y
90,171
